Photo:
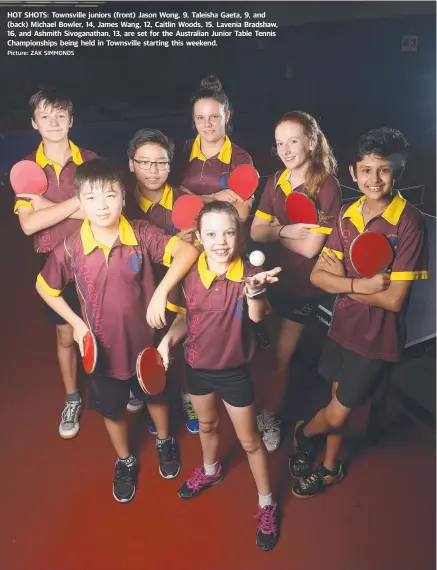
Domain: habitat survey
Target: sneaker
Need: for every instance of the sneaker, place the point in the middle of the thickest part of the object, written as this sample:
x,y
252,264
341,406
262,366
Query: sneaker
x,y
168,455
267,529
317,481
300,463
190,416
134,405
125,482
69,426
198,482
270,430
151,427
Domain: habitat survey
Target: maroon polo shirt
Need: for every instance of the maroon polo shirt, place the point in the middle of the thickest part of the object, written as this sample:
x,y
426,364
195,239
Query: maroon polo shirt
x,y
114,286
220,335
60,188
374,332
202,176
296,269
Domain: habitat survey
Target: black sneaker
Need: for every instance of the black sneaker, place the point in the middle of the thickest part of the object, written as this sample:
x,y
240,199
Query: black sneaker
x,y
125,481
317,482
300,463
267,530
168,456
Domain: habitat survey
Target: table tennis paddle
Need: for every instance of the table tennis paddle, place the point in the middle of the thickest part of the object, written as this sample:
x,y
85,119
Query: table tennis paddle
x,y
27,177
243,180
151,372
370,253
185,211
89,357
300,209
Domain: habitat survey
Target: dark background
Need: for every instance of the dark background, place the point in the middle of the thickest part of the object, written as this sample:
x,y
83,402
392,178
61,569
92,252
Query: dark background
x,y
347,69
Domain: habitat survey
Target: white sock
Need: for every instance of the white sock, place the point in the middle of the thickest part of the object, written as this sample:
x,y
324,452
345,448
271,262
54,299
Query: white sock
x,y
210,469
185,398
265,500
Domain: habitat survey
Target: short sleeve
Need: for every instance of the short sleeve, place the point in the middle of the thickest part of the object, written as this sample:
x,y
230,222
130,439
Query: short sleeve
x,y
156,243
335,242
57,271
330,203
21,202
411,253
265,209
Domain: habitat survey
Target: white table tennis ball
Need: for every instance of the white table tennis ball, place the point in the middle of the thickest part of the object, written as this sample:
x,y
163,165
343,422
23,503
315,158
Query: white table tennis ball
x,y
257,258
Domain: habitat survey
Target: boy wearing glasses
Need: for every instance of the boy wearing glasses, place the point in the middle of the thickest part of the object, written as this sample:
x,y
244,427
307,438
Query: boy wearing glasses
x,y
150,154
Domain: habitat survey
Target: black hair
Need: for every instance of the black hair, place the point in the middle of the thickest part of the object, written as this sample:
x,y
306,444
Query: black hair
x,y
150,136
98,171
386,143
51,97
211,88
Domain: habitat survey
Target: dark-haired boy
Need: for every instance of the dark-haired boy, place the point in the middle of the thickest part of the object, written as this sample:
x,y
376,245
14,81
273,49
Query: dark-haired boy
x,y
51,217
368,328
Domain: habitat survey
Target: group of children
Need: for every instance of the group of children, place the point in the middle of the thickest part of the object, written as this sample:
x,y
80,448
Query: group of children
x,y
112,262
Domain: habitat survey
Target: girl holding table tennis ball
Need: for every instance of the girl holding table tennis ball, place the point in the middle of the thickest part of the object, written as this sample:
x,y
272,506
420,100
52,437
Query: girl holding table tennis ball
x,y
309,165
210,156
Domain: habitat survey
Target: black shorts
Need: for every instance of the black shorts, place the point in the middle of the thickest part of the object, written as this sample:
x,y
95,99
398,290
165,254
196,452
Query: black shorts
x,y
296,309
110,396
358,377
234,385
69,294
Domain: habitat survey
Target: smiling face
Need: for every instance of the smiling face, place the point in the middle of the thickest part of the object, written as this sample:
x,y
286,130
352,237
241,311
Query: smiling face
x,y
292,145
219,237
52,123
150,165
210,119
102,203
374,176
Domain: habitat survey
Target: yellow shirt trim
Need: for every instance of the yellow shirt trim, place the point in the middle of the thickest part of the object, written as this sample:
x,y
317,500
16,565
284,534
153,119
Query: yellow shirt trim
x,y
125,233
234,273
224,155
145,204
392,213
408,275
20,203
321,230
166,260
263,216
43,161
284,183
44,285
339,254
176,308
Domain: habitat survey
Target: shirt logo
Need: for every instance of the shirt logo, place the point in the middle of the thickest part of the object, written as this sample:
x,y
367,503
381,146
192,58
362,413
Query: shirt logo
x,y
239,309
135,261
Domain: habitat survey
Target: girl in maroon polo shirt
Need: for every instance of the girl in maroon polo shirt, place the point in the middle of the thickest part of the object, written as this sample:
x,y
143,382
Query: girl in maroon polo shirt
x,y
209,156
223,294
309,166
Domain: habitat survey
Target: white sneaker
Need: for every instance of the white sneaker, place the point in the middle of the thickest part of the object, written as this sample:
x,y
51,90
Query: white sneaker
x,y
270,428
134,405
69,426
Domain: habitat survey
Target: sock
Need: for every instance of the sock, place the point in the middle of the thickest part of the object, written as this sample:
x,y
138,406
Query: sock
x,y
210,469
265,500
303,441
129,461
160,441
185,398
74,397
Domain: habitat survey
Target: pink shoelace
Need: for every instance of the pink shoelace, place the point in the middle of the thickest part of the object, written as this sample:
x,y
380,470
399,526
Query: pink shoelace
x,y
267,519
198,478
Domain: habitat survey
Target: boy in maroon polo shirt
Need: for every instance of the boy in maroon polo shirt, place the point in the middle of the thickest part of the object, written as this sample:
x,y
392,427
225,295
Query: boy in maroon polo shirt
x,y
110,261
224,294
368,329
51,217
150,154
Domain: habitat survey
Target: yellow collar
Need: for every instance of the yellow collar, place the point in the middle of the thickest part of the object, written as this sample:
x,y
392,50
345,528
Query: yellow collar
x,y
125,233
145,204
392,213
43,161
224,155
284,183
234,273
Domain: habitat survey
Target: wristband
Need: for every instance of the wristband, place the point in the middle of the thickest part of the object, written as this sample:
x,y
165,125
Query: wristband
x,y
279,233
254,295
352,286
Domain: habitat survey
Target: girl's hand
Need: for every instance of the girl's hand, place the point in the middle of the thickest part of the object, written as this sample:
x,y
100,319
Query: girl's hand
x,y
260,280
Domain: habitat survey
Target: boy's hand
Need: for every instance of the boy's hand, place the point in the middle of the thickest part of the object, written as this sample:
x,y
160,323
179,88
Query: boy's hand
x,y
331,263
297,231
187,235
155,315
79,332
164,351
260,280
376,284
38,202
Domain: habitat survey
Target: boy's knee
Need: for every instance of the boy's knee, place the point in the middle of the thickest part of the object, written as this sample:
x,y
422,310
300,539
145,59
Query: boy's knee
x,y
208,427
64,335
335,419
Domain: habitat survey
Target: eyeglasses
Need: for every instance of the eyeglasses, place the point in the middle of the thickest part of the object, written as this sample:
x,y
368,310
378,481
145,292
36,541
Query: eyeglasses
x,y
147,164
